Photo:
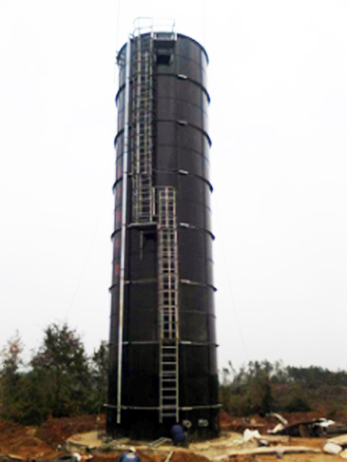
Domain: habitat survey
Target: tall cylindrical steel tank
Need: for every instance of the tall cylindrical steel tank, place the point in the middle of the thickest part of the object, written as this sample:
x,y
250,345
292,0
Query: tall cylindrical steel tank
x,y
162,337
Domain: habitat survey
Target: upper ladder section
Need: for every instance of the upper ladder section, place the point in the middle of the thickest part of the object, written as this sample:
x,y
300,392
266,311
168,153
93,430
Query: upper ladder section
x,y
145,42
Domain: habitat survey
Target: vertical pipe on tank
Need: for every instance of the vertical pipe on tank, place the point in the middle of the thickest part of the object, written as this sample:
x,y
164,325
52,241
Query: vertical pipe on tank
x,y
123,231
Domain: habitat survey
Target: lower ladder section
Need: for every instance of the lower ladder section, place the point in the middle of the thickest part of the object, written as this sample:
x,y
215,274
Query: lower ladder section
x,y
168,405
168,304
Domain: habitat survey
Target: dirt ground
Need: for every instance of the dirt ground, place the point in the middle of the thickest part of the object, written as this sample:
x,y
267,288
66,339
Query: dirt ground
x,y
42,443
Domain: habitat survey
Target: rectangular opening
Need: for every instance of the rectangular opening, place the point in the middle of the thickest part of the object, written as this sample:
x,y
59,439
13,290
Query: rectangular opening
x,y
164,58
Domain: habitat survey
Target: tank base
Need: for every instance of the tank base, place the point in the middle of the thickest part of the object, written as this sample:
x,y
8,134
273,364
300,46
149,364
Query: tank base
x,y
144,425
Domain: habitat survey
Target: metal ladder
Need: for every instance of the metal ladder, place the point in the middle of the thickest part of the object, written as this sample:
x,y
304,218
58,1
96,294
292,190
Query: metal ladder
x,y
168,303
142,103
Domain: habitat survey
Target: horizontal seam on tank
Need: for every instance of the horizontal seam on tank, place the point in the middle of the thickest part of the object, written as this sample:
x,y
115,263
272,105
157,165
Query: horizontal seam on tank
x,y
186,173
191,342
136,281
194,82
156,408
170,172
142,310
156,342
196,228
199,284
119,133
181,311
189,79
128,283
192,408
138,342
121,88
181,225
116,230
114,233
154,281
198,106
189,125
121,51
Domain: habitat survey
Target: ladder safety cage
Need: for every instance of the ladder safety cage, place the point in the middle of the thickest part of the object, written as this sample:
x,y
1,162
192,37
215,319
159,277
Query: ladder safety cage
x,y
168,288
142,136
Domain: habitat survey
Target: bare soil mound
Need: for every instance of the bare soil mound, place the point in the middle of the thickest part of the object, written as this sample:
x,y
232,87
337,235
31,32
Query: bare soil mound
x,y
56,431
41,442
22,441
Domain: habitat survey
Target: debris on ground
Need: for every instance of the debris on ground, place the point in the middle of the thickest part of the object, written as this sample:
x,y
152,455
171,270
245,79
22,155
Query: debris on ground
x,y
280,418
276,450
340,440
75,457
337,445
169,456
309,428
249,435
159,442
332,448
263,440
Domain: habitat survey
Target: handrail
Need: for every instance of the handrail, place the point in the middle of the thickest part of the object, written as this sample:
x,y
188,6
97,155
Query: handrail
x,y
150,25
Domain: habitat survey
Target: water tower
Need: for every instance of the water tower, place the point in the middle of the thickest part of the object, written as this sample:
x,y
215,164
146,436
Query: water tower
x,y
162,337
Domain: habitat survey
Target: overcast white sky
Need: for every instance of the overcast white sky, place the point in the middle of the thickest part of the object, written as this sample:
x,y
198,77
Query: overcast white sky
x,y
278,122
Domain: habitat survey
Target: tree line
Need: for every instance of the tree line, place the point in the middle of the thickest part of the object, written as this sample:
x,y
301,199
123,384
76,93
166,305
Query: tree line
x,y
263,387
60,380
